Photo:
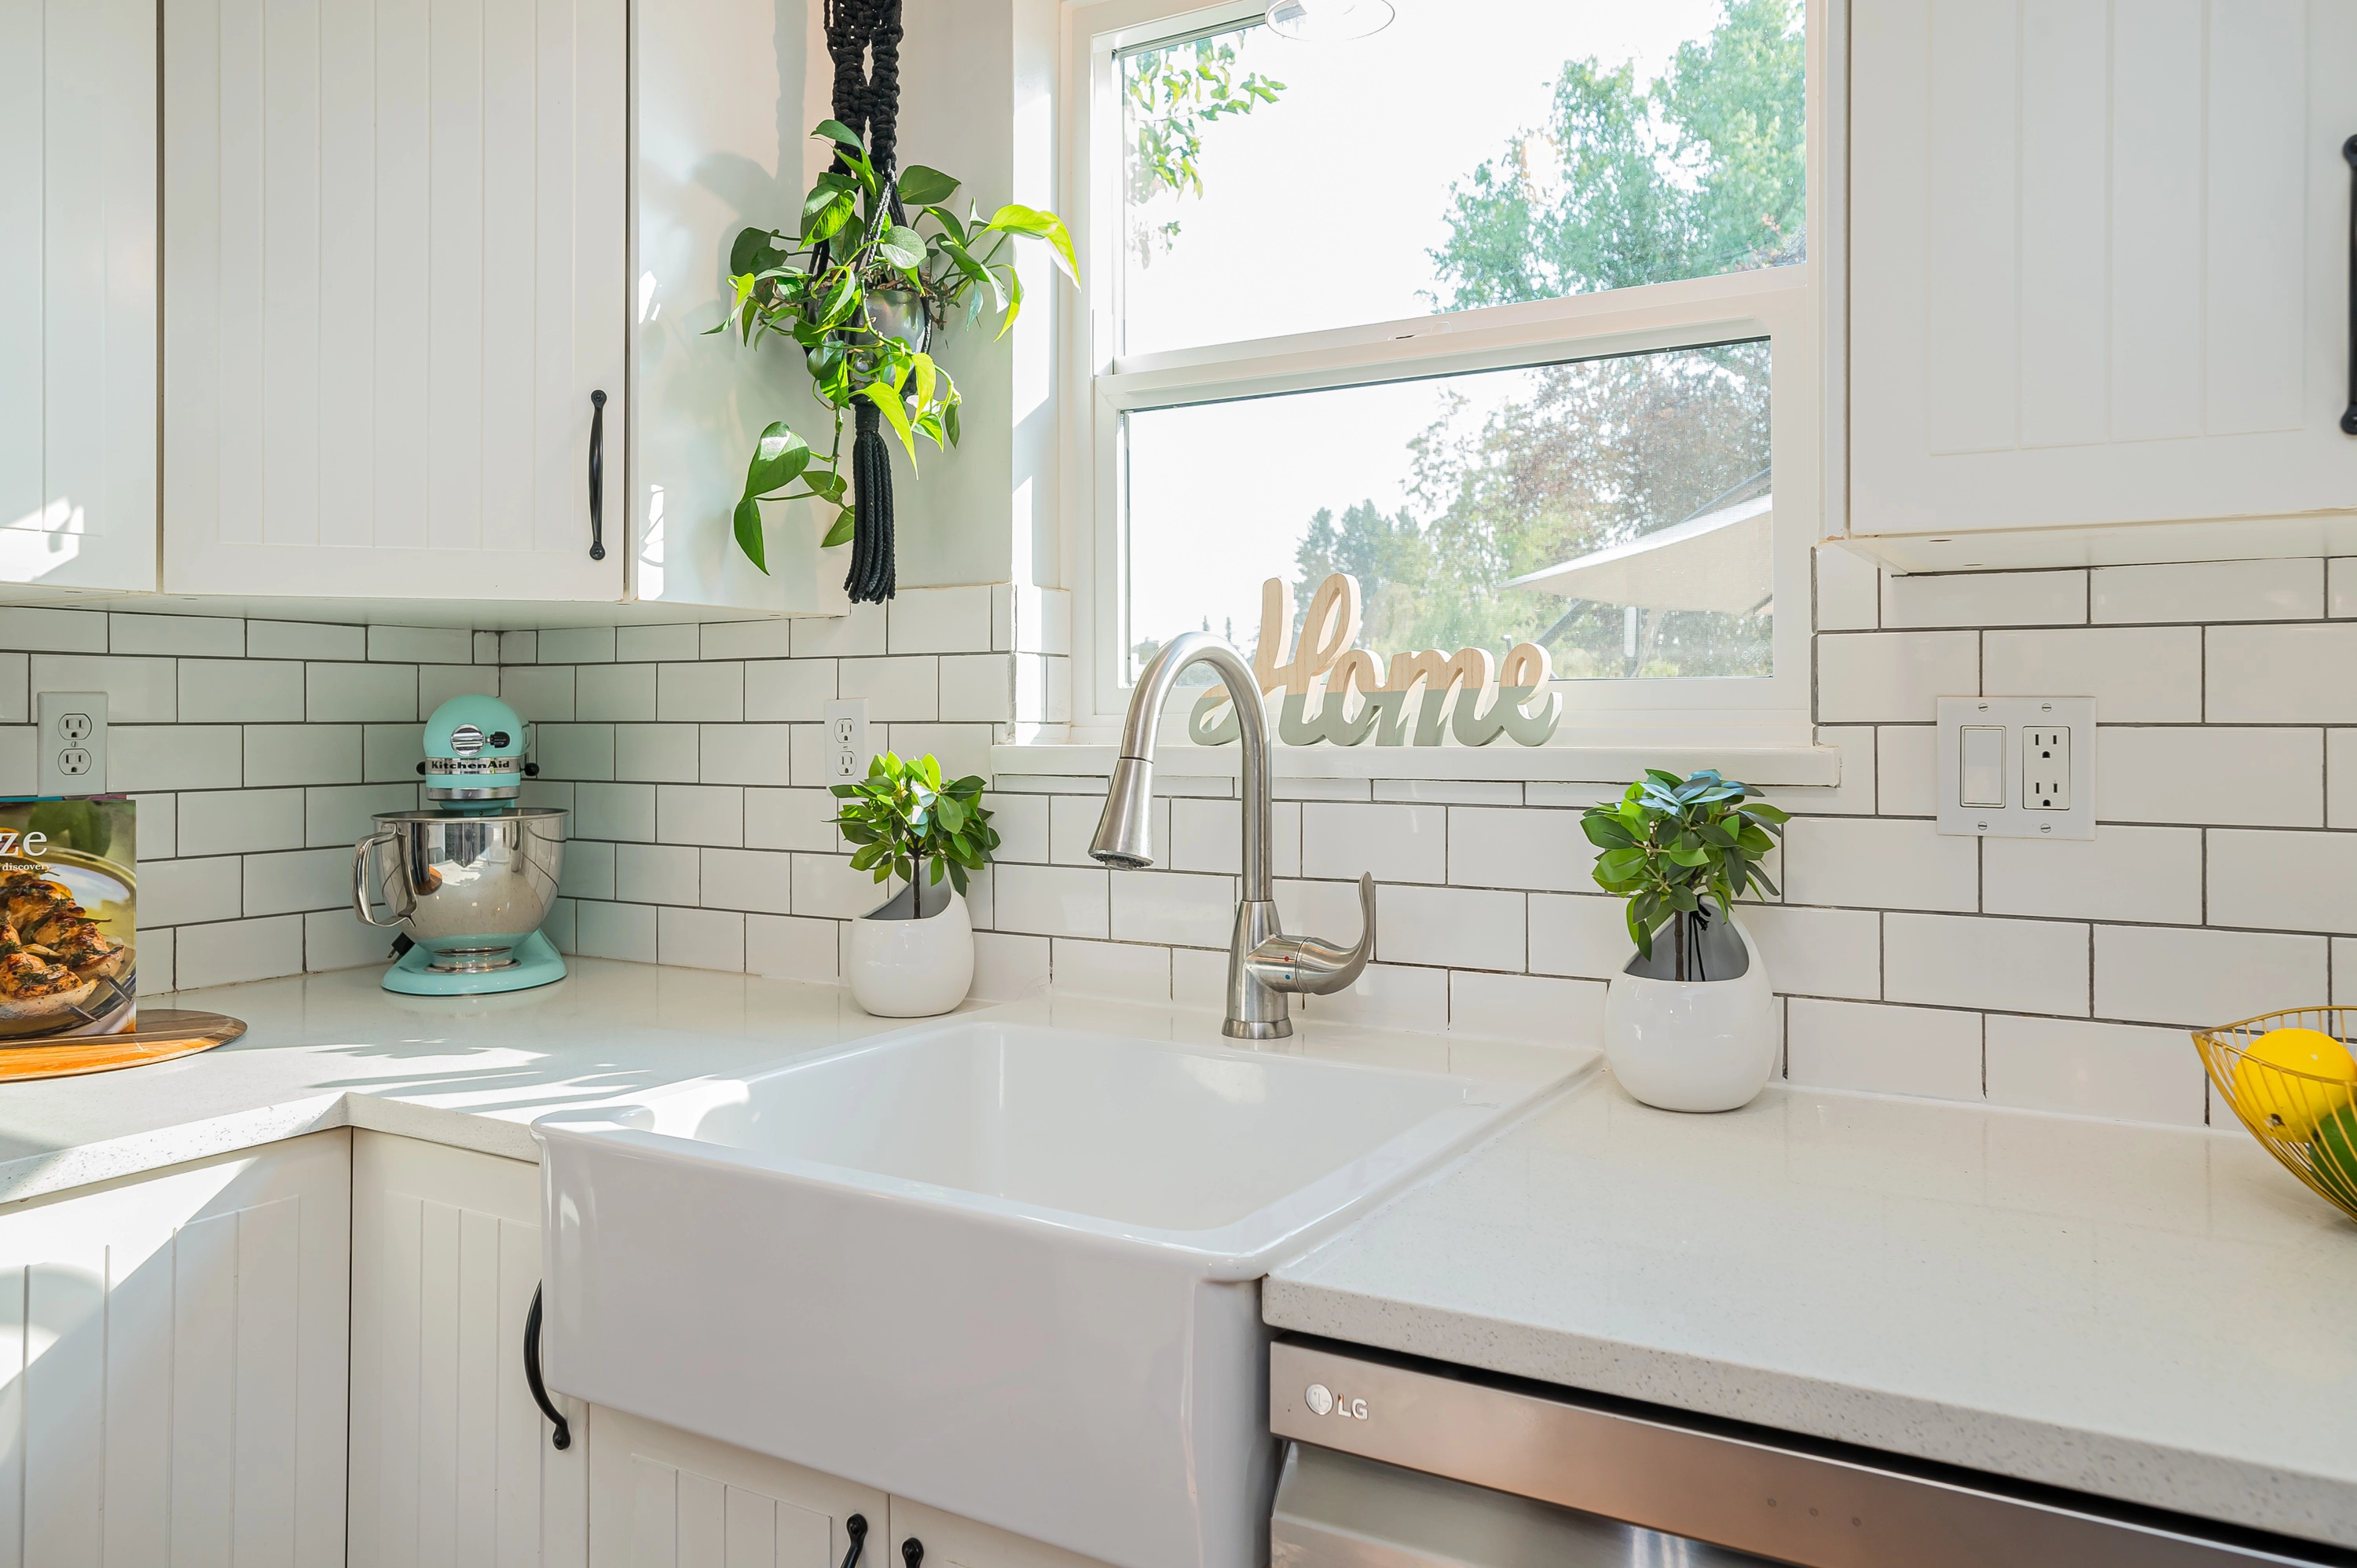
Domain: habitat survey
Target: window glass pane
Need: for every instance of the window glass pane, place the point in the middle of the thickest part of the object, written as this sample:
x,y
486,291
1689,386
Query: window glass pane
x,y
1635,490
1274,185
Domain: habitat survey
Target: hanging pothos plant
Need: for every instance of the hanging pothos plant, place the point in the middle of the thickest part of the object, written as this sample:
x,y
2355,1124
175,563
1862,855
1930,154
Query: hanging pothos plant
x,y
858,289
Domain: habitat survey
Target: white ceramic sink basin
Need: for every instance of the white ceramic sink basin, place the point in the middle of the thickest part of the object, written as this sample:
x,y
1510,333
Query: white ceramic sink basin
x,y
1006,1270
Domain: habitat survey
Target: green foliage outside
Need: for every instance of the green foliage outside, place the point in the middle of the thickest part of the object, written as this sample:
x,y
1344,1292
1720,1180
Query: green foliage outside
x,y
902,815
1669,843
1171,94
1700,172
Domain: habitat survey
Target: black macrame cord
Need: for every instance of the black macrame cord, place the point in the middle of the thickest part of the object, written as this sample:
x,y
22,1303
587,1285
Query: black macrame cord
x,y
867,99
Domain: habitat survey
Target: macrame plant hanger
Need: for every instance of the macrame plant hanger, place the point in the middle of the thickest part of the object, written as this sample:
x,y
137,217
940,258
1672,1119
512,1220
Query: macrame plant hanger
x,y
867,99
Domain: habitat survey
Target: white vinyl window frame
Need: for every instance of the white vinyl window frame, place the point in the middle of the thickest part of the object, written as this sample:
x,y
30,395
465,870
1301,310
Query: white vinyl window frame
x,y
1786,305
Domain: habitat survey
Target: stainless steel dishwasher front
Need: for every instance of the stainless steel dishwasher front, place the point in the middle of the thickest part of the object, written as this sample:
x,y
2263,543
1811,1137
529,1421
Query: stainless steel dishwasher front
x,y
1433,1466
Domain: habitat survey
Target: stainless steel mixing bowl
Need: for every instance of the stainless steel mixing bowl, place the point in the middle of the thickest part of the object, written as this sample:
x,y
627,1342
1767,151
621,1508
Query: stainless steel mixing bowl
x,y
468,887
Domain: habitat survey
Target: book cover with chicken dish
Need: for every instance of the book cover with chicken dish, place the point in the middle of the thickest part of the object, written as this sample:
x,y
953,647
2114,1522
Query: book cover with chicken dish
x,y
69,946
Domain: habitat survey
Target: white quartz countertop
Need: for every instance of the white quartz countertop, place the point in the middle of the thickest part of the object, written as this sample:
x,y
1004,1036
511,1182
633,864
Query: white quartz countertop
x,y
2154,1315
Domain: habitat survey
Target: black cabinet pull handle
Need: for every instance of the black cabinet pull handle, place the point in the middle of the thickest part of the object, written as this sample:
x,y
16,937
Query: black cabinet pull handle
x,y
855,1527
597,486
2348,414
563,1435
912,1552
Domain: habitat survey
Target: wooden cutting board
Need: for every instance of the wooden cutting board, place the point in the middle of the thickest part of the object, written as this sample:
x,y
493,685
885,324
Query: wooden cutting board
x,y
163,1033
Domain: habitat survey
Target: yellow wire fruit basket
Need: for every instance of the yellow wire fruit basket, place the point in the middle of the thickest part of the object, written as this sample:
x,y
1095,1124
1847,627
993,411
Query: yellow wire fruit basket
x,y
2308,1121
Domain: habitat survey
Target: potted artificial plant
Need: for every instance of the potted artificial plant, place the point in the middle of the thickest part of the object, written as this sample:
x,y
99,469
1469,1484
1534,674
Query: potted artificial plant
x,y
1690,1021
912,955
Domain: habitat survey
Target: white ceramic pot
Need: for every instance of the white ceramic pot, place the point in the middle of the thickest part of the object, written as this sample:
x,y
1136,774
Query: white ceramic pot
x,y
907,967
1696,1044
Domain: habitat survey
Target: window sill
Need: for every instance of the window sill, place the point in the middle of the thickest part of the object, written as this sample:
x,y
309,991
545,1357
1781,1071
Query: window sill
x,y
1789,766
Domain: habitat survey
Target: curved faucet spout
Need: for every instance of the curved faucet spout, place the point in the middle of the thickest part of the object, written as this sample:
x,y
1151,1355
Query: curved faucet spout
x,y
1125,838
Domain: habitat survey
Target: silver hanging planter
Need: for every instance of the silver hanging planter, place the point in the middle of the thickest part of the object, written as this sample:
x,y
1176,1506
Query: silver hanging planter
x,y
903,314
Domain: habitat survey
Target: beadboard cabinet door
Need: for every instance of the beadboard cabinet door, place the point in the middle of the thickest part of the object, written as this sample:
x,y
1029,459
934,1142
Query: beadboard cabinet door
x,y
2099,270
394,273
78,292
451,1460
172,1358
660,1497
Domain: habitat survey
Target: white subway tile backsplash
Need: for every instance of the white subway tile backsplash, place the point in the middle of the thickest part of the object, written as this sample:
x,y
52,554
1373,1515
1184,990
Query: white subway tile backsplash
x,y
2114,1070
939,621
653,644
745,754
1809,952
1580,934
1908,758
700,815
20,762
856,634
1516,847
157,823
421,644
658,754
745,639
754,879
1859,1046
1461,928
2210,774
1984,598
1530,1008
2211,590
614,811
1896,677
2136,674
303,640
894,688
178,892
208,636
1022,824
1007,966
614,930
700,693
826,885
391,752
792,947
218,690
2194,978
237,822
978,686
2340,780
1388,996
1052,900
1447,792
2277,674
614,692
657,873
2121,874
590,869
2024,966
233,952
1849,592
1125,971
361,693
438,684
788,689
138,691
1172,907
345,814
298,879
1208,835
1393,842
164,757
332,939
16,689
1854,796
507,646
962,750
575,751
792,819
2340,586
53,631
575,645
1878,862
2283,881
305,753
540,694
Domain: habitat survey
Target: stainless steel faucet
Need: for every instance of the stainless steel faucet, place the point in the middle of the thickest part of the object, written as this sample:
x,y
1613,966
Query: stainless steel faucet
x,y
1264,964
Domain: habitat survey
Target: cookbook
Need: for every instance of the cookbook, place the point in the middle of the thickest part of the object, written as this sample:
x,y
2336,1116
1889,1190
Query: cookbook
x,y
69,946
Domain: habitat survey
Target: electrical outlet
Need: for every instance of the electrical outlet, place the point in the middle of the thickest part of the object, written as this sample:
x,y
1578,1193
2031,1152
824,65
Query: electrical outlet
x,y
2046,769
847,752
72,743
1984,792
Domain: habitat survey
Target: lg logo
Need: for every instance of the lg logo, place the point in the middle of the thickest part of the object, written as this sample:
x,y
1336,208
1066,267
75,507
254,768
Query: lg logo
x,y
1322,1401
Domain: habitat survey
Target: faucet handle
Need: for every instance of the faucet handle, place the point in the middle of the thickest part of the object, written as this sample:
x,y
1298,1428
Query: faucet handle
x,y
1309,965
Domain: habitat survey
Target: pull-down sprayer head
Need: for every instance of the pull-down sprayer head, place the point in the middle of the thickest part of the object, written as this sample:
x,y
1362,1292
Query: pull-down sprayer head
x,y
1125,838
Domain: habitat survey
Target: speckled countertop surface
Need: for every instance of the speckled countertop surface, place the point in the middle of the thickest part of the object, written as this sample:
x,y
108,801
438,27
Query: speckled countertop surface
x,y
2155,1314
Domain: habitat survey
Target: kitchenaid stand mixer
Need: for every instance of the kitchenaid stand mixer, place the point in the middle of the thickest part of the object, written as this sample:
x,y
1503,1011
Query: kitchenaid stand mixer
x,y
469,879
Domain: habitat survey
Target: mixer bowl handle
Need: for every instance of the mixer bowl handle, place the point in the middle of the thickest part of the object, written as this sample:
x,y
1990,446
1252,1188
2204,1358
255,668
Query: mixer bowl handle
x,y
361,887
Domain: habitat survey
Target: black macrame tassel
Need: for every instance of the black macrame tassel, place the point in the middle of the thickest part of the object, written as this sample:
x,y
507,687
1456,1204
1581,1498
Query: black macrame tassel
x,y
867,99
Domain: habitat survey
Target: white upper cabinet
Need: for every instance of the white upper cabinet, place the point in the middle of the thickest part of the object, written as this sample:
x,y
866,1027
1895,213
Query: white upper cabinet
x,y
78,292
2099,276
394,275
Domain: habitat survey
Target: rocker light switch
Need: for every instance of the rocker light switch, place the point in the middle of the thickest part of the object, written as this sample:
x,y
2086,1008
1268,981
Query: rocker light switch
x,y
1982,783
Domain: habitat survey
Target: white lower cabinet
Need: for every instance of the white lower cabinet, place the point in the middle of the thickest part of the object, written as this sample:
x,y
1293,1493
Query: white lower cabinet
x,y
172,1361
660,1497
451,1461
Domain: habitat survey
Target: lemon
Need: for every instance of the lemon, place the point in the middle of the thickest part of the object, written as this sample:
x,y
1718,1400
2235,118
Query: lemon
x,y
2333,1155
2291,1102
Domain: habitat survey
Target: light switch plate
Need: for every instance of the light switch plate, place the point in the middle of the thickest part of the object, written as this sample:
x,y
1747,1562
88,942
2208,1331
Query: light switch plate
x,y
2048,743
72,742
847,751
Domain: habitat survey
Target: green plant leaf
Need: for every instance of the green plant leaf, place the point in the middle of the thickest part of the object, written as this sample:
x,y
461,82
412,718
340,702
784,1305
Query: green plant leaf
x,y
902,247
1013,219
1606,832
840,533
923,186
895,413
748,522
835,131
777,458
1013,301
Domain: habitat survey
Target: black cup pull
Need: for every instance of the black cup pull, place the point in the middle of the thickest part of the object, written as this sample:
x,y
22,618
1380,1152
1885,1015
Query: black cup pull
x,y
563,1437
912,1552
597,486
2348,414
855,1527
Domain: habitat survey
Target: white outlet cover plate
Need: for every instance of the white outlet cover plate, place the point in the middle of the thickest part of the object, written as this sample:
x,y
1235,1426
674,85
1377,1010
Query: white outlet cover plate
x,y
847,749
2015,715
71,763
